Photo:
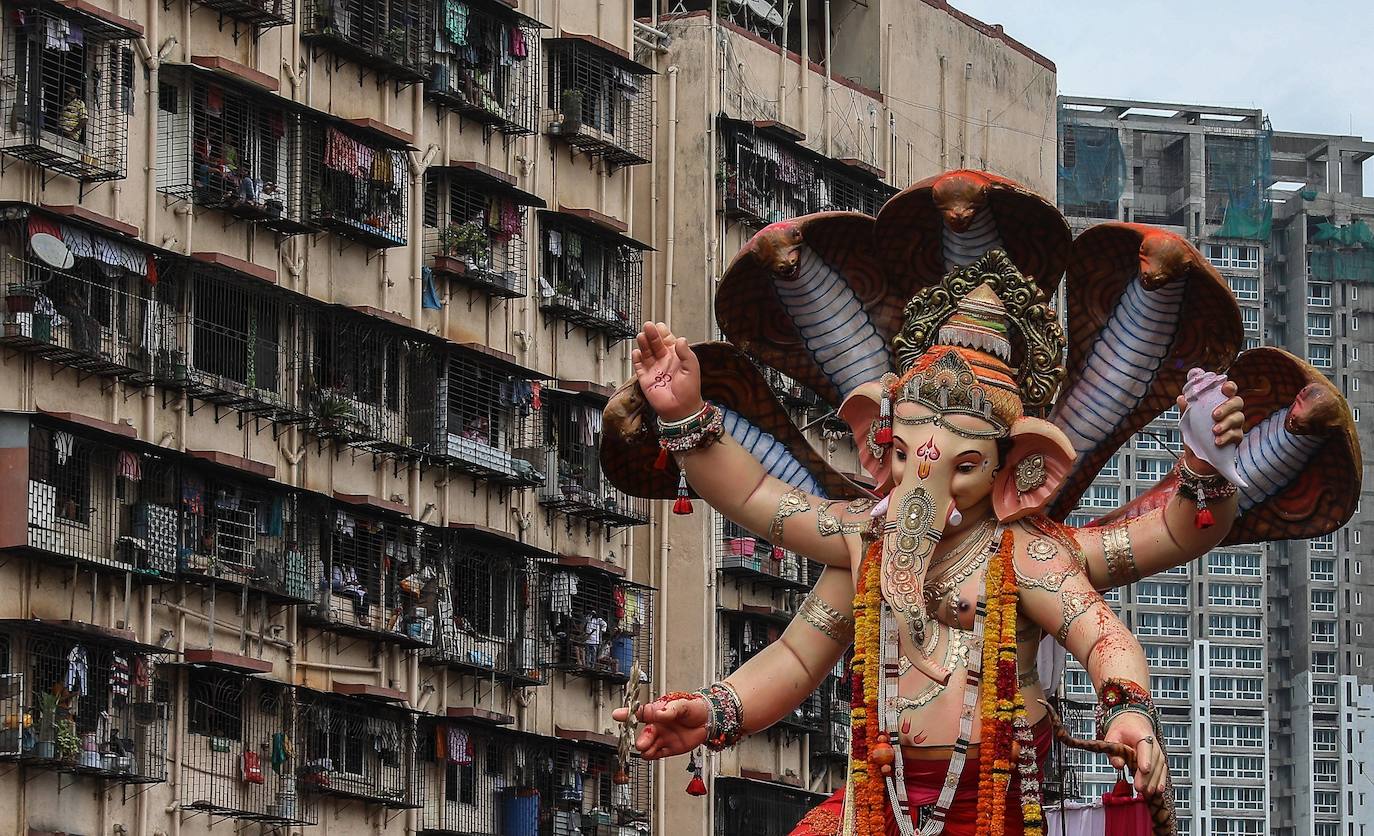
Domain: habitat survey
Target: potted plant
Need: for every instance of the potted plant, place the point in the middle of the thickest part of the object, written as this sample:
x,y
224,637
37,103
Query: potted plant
x,y
336,414
571,108
45,726
68,742
462,245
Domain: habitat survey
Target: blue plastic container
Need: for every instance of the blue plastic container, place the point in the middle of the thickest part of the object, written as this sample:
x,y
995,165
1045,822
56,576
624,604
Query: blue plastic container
x,y
520,813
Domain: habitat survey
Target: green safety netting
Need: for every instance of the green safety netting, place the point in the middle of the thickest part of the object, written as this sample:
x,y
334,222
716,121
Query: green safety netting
x,y
1341,265
1092,175
1238,180
1353,234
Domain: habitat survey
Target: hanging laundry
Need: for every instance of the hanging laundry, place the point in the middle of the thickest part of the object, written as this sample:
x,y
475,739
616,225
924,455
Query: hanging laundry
x,y
62,444
456,21
281,752
574,245
382,167
193,495
344,523
562,589
555,242
429,298
55,31
130,466
119,677
142,675
459,746
519,46
75,37
274,520
214,100
77,670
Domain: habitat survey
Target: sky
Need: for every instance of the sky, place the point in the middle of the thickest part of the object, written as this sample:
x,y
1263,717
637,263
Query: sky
x,y
1310,68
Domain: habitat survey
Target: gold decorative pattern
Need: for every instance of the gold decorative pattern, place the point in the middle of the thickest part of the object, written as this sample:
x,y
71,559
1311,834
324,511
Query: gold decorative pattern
x,y
828,525
1031,473
831,623
905,568
791,502
1120,557
1075,603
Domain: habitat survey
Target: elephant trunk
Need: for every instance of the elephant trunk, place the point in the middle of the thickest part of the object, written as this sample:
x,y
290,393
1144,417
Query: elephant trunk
x,y
916,522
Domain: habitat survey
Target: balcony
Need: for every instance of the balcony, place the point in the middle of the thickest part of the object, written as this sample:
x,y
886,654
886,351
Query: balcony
x,y
599,99
762,807
226,141
591,273
831,743
589,801
390,37
483,776
601,623
571,463
485,64
108,720
745,632
257,14
355,180
88,306
747,558
489,417
237,747
69,89
357,749
476,228
374,573
487,624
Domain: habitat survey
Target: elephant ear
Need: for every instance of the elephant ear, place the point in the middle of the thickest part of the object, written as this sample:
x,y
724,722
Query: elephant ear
x,y
915,240
859,411
1144,308
808,298
753,416
1300,456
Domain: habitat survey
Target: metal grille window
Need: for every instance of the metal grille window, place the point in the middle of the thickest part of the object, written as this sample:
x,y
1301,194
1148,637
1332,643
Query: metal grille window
x,y
228,147
599,99
370,384
590,276
744,634
742,555
831,743
573,482
759,808
240,733
355,184
69,91
481,777
357,749
390,37
476,229
93,316
486,617
490,420
376,577
485,64
259,14
600,624
95,704
587,798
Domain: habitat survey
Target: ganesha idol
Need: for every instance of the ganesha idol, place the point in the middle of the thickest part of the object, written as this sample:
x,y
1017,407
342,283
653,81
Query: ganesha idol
x,y
981,423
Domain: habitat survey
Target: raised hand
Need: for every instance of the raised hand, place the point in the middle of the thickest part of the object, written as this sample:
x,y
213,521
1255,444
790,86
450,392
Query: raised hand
x,y
668,372
671,728
1228,424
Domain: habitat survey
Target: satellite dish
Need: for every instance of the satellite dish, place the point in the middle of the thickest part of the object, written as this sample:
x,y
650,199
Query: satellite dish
x,y
51,250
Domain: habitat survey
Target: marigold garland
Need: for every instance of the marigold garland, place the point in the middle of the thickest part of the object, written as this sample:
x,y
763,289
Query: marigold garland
x,y
870,803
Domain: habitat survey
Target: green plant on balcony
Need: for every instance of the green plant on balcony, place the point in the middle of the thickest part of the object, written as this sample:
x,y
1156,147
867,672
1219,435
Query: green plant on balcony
x,y
467,241
395,44
336,413
571,108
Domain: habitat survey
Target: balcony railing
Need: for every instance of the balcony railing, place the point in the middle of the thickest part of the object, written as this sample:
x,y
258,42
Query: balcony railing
x,y
759,808
229,146
85,700
484,779
358,749
744,634
355,183
571,464
487,623
486,63
476,228
238,749
391,37
591,275
259,14
599,99
373,577
831,743
490,420
69,90
588,799
601,624
751,559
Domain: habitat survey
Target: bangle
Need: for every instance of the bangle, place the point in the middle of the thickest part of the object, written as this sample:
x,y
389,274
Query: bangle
x,y
831,623
1203,489
702,429
726,724
671,427
1119,555
1122,696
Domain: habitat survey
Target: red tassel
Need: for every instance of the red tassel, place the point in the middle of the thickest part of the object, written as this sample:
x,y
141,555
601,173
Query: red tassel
x,y
661,463
682,506
883,435
1204,518
696,786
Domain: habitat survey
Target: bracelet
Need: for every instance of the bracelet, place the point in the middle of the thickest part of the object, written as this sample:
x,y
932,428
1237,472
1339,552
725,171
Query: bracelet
x,y
792,502
1203,489
831,623
1119,555
699,430
726,724
1122,696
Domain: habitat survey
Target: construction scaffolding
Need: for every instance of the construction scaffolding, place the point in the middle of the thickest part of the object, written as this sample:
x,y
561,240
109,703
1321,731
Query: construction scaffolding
x,y
1340,252
1159,177
485,63
1092,168
1238,174
69,91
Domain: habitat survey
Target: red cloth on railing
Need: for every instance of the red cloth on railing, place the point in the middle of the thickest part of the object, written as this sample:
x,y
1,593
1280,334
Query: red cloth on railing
x,y
1127,815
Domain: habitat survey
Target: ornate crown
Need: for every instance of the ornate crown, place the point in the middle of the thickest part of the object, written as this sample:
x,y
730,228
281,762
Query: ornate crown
x,y
949,386
993,311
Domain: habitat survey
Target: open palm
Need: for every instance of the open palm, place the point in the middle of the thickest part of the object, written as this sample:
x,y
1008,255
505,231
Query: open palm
x,y
667,371
671,728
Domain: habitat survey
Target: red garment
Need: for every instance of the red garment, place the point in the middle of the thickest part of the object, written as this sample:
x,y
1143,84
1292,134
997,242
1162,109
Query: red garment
x,y
923,781
1126,814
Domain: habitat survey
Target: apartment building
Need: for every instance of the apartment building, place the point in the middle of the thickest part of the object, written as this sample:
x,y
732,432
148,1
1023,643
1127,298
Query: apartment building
x,y
1258,675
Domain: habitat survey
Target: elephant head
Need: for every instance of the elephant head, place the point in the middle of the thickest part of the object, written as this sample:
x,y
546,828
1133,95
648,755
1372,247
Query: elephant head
x,y
951,449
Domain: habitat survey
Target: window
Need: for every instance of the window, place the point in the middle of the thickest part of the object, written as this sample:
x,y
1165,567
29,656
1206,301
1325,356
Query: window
x,y
601,100
1322,569
1162,624
1326,802
1180,766
1323,693
1324,740
1324,770
1170,414
1177,736
1323,661
1234,626
1238,798
1112,468
1234,563
1237,688
1324,543
1237,827
1324,600
1169,687
1076,681
1251,342
1233,594
1319,356
1229,656
1236,256
1246,288
1101,496
1240,735
1319,294
1237,766
1160,440
1324,632
494,86
1167,594
214,704
590,277
369,204
390,35
1168,655
1319,325
1250,318
1152,470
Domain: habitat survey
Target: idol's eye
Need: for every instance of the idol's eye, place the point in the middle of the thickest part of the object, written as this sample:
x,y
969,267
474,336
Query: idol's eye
x,y
966,467
901,455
